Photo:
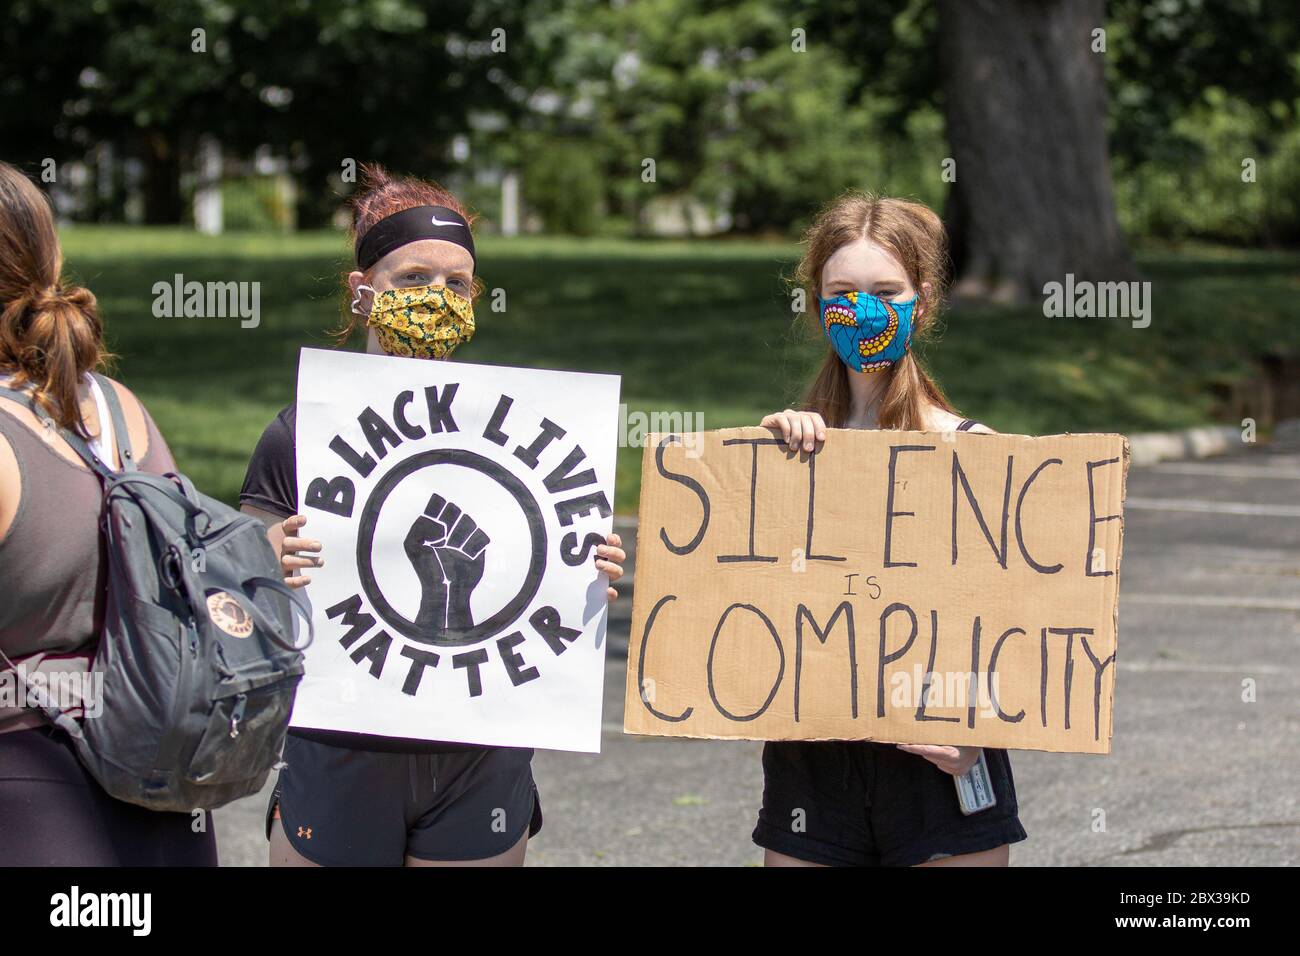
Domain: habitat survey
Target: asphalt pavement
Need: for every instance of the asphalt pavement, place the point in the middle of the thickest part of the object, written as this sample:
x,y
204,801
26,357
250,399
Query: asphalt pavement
x,y
1205,761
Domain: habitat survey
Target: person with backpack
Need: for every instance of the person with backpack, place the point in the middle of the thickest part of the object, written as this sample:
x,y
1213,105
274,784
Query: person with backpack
x,y
875,267
361,799
53,566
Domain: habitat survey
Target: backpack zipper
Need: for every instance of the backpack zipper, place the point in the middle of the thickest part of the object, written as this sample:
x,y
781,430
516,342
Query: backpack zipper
x,y
237,715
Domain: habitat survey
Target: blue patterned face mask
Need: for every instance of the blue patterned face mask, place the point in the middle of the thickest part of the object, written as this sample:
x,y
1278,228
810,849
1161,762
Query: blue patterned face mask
x,y
869,333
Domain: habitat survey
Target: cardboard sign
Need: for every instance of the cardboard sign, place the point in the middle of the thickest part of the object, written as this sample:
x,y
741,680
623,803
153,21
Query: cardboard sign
x,y
896,586
458,507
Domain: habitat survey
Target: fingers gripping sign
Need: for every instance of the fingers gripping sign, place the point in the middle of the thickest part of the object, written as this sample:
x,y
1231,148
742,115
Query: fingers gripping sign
x,y
953,760
297,553
806,430
448,551
609,561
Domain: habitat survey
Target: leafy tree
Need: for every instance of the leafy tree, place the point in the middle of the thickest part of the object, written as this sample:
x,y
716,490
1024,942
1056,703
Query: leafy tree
x,y
327,81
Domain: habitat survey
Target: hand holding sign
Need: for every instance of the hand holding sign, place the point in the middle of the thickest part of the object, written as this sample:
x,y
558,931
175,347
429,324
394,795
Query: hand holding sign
x,y
472,614
954,591
448,551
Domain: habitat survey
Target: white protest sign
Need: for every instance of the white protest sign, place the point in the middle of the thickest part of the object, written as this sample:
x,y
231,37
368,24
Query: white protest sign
x,y
459,508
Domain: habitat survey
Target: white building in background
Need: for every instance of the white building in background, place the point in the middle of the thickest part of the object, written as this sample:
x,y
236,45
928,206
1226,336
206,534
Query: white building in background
x,y
208,217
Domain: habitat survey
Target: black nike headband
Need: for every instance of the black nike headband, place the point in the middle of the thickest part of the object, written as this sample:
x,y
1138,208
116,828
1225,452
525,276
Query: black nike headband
x,y
412,225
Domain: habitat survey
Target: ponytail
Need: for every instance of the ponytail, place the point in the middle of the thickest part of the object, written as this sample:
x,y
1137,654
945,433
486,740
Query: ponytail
x,y
50,332
49,340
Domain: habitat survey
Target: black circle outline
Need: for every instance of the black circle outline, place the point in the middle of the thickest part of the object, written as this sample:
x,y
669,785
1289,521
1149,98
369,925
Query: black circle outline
x,y
502,476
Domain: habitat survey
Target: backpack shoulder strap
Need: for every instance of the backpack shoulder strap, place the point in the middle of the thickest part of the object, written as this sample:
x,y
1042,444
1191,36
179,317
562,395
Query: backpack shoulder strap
x,y
38,695
75,441
120,436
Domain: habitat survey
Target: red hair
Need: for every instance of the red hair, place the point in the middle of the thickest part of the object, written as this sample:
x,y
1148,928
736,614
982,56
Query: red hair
x,y
382,195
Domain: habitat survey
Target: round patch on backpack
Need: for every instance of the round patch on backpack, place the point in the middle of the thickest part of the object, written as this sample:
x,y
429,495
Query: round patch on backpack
x,y
228,615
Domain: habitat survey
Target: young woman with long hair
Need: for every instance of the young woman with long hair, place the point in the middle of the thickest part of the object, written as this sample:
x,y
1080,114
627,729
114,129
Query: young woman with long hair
x,y
875,267
347,798
52,558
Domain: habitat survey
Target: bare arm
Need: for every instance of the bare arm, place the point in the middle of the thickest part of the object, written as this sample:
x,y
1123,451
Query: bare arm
x,y
10,487
294,552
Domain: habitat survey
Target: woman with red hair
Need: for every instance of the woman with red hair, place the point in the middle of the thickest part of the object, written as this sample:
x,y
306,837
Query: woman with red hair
x,y
359,799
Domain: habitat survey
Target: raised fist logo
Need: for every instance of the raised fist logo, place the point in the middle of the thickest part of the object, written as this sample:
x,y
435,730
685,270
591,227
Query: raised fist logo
x,y
448,550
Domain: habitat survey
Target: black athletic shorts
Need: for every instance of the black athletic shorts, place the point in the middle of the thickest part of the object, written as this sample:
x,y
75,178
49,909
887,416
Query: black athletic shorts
x,y
54,813
346,807
858,803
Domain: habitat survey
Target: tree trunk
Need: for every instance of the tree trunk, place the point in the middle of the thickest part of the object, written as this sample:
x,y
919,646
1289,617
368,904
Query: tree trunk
x,y
1026,105
162,179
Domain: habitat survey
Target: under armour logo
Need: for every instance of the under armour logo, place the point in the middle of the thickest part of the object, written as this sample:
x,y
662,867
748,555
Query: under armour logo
x,y
441,222
304,832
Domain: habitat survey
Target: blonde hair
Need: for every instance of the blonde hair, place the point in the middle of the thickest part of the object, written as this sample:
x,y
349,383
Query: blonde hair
x,y
916,237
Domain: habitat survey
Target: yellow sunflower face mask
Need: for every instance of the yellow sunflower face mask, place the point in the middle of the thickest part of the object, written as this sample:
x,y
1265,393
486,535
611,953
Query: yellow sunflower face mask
x,y
423,322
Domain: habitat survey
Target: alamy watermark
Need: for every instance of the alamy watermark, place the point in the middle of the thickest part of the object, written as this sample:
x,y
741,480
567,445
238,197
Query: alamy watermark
x,y
1098,300
636,427
66,690
940,689
133,911
208,300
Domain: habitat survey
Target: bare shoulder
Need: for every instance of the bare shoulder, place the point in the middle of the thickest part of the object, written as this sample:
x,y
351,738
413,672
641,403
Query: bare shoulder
x,y
124,395
133,410
940,420
8,463
10,486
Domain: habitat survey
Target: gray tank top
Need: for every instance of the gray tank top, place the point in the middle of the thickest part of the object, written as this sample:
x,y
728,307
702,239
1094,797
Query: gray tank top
x,y
52,559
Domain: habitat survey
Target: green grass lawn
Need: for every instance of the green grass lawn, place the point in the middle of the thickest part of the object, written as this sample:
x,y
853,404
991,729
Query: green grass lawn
x,y
699,327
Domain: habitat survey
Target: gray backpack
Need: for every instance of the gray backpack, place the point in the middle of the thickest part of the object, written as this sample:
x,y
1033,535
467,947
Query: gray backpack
x,y
196,656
